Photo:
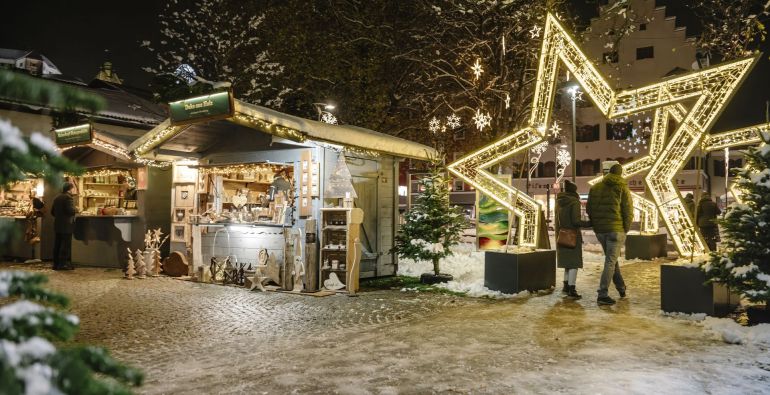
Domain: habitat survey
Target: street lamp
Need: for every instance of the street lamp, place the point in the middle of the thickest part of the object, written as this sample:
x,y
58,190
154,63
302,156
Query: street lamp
x,y
574,93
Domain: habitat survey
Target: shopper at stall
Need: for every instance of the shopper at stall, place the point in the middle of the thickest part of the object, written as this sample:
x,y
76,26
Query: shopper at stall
x,y
705,216
568,218
610,211
63,211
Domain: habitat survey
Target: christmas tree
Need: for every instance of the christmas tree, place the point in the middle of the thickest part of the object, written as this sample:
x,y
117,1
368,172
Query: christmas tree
x,y
432,226
743,262
340,181
130,270
30,363
141,267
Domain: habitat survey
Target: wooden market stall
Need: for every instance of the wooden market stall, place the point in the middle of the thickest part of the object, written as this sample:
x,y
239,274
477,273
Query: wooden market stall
x,y
258,192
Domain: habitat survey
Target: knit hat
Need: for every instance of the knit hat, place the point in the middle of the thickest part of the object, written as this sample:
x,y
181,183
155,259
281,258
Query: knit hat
x,y
570,186
616,169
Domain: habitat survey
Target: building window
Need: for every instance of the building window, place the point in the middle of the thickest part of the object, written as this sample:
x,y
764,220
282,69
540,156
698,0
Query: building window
x,y
586,168
642,26
587,133
619,130
645,53
459,135
610,57
549,169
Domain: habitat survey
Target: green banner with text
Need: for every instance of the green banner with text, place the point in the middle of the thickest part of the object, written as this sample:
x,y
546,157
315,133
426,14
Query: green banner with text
x,y
74,135
214,106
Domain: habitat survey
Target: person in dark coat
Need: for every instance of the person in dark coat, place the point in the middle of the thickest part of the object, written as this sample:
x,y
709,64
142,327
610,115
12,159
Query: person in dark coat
x,y
611,212
568,216
63,211
705,217
689,204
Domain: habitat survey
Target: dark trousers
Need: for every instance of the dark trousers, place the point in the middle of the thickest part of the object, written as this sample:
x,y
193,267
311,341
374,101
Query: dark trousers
x,y
711,236
62,250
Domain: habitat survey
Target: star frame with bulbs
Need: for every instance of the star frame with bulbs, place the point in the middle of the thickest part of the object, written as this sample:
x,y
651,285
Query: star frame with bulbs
x,y
710,89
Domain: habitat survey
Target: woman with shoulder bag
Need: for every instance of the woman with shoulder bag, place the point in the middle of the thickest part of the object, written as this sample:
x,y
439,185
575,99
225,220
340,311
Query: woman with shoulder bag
x,y
569,240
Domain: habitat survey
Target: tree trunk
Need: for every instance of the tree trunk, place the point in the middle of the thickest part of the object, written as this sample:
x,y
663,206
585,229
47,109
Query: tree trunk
x,y
435,266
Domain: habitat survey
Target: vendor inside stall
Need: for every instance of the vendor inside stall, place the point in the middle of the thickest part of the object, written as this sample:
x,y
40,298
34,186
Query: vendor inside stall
x,y
22,206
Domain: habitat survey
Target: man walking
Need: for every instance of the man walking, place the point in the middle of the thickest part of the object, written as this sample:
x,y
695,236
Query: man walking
x,y
611,212
63,211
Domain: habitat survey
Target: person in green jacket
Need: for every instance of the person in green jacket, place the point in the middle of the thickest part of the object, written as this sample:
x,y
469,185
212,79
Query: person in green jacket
x,y
611,212
705,217
568,216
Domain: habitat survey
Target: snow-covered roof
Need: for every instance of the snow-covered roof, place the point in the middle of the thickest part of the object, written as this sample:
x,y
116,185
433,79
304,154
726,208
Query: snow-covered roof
x,y
275,122
120,105
346,135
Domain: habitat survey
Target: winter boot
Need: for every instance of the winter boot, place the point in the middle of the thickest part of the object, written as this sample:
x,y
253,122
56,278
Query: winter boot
x,y
572,293
605,301
622,293
565,288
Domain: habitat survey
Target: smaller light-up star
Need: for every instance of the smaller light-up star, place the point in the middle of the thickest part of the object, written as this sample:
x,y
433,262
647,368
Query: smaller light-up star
x,y
555,129
453,121
434,125
481,120
477,69
535,31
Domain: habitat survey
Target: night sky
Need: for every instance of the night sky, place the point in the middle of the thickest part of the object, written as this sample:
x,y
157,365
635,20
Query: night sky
x,y
79,35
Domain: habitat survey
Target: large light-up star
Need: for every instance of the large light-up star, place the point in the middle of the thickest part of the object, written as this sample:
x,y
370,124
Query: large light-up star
x,y
709,89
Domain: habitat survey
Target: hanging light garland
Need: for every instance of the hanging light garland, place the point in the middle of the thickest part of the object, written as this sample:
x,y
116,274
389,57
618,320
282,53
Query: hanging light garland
x,y
245,168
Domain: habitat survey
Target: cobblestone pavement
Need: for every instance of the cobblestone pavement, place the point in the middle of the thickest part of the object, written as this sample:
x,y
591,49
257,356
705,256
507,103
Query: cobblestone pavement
x,y
199,338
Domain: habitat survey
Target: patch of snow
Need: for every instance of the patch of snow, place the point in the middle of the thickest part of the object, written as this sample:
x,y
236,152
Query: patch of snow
x,y
731,332
684,316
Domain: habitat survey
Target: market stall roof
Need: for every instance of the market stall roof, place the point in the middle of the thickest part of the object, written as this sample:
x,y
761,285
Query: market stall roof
x,y
289,127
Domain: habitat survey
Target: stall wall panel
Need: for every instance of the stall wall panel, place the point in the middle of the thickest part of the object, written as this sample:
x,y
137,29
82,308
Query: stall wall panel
x,y
387,215
155,203
244,244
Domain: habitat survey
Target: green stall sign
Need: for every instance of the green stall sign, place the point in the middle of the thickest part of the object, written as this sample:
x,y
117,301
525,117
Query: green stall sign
x,y
74,135
214,106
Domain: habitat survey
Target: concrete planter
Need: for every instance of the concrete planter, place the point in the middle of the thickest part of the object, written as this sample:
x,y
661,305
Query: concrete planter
x,y
647,247
684,290
513,273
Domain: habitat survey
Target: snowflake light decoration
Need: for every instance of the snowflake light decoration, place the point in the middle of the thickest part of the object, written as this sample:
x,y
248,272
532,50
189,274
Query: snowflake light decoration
x,y
477,69
536,153
328,118
555,129
563,159
453,121
434,125
481,120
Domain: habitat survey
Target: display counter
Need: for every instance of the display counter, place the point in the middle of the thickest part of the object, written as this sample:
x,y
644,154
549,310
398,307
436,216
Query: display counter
x,y
102,240
242,242
18,248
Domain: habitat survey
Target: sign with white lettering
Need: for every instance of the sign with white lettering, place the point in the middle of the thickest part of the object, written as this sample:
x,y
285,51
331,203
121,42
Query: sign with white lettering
x,y
209,107
74,135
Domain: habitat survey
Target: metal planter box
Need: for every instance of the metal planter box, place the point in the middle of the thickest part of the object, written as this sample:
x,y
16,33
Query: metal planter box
x,y
684,290
513,273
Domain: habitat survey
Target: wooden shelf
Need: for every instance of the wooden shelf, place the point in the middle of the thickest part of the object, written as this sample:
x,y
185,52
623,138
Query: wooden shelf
x,y
334,270
245,181
102,183
336,227
102,197
335,249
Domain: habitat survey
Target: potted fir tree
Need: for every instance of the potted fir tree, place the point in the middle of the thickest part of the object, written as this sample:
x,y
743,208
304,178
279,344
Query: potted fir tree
x,y
432,227
743,262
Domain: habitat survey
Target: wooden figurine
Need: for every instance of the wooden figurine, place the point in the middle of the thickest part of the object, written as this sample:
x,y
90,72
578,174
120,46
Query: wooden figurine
x,y
156,266
299,266
141,267
130,270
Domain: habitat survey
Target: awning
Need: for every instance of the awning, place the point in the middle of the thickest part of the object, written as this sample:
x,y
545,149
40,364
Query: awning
x,y
298,129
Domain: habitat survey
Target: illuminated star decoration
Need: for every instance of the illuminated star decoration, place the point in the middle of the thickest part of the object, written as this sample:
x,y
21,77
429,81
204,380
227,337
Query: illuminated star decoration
x,y
563,159
710,88
453,121
477,69
535,31
434,125
507,101
481,120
